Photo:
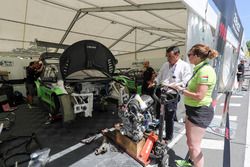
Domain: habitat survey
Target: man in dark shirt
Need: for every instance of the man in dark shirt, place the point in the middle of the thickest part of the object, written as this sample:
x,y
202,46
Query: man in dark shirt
x,y
240,74
32,73
148,79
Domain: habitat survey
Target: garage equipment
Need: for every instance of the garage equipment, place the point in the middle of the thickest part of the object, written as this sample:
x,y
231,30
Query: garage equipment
x,y
137,115
7,119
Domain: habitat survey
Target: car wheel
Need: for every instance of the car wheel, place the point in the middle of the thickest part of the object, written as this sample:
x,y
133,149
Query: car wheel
x,y
55,110
66,108
42,104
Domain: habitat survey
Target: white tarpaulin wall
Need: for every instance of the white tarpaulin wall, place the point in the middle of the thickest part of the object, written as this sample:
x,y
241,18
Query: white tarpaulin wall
x,y
124,26
230,59
199,31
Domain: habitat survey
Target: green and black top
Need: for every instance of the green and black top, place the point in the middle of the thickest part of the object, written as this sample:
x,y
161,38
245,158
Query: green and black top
x,y
203,74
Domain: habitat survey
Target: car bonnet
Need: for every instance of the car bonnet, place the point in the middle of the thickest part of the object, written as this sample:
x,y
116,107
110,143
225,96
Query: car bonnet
x,y
85,56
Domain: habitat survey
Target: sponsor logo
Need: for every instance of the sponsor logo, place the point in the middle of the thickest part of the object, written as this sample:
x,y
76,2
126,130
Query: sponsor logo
x,y
91,47
223,31
236,24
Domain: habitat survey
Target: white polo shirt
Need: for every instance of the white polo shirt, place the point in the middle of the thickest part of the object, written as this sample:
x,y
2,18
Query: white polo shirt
x,y
180,73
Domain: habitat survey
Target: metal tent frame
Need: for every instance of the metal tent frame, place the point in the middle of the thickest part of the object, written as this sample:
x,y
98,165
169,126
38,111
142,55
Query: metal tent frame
x,y
125,15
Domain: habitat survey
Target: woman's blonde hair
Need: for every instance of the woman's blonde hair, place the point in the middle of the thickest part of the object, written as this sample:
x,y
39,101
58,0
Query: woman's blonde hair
x,y
204,51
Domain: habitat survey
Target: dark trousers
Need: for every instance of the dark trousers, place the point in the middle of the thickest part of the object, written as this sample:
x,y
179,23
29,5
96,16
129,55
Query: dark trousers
x,y
170,114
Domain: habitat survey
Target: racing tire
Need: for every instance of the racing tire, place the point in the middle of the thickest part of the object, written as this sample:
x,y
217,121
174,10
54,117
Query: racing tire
x,y
55,110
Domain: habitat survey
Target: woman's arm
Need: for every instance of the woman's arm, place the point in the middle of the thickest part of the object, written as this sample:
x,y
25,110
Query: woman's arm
x,y
199,94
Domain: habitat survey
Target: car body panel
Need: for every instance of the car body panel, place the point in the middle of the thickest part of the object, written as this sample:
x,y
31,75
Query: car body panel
x,y
129,83
46,93
87,55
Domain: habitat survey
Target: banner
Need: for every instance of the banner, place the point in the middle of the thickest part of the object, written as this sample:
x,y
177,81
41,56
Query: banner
x,y
230,16
229,21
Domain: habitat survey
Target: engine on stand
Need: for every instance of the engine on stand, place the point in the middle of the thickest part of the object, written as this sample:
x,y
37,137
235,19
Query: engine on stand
x,y
137,114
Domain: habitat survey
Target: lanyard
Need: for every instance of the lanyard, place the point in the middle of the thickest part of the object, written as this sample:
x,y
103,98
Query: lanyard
x,y
172,68
195,72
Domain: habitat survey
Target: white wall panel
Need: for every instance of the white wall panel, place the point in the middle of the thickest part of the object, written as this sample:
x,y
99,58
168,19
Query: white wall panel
x,y
155,57
72,38
11,30
46,14
17,71
12,9
106,3
150,1
8,46
42,34
204,10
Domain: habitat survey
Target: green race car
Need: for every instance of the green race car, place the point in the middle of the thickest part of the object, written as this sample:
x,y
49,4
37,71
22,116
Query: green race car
x,y
48,88
131,78
129,83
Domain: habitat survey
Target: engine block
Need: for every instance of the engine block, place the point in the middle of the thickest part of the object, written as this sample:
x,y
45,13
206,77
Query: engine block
x,y
136,116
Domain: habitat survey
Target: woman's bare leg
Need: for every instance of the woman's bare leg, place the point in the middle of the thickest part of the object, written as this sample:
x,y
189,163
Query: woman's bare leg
x,y
194,137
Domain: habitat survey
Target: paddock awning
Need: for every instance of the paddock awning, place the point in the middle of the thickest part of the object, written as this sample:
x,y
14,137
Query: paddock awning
x,y
123,26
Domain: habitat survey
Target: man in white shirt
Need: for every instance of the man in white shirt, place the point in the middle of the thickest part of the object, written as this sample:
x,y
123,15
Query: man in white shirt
x,y
174,71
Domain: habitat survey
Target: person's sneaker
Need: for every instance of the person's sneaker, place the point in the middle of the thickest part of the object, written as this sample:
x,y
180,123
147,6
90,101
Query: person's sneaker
x,y
243,89
29,105
183,163
190,161
32,106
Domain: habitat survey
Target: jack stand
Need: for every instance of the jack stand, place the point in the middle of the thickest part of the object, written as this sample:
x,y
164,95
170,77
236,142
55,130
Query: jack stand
x,y
145,152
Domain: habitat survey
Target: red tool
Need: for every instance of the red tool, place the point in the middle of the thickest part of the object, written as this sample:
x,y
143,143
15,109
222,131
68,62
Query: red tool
x,y
145,152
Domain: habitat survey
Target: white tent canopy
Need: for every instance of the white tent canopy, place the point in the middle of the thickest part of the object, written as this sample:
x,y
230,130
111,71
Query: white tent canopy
x,y
124,26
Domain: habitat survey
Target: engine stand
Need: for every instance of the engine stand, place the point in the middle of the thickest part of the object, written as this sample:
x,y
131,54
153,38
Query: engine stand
x,y
137,150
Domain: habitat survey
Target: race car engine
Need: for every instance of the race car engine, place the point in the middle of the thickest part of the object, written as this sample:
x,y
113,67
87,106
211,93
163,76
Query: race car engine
x,y
136,116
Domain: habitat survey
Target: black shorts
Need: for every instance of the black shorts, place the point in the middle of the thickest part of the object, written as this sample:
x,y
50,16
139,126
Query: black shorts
x,y
240,78
200,116
31,89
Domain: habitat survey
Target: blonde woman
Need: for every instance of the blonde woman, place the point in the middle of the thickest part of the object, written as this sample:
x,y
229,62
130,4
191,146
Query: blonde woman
x,y
197,99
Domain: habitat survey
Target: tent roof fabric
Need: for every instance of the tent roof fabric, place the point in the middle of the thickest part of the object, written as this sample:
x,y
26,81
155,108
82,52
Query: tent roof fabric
x,y
123,26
